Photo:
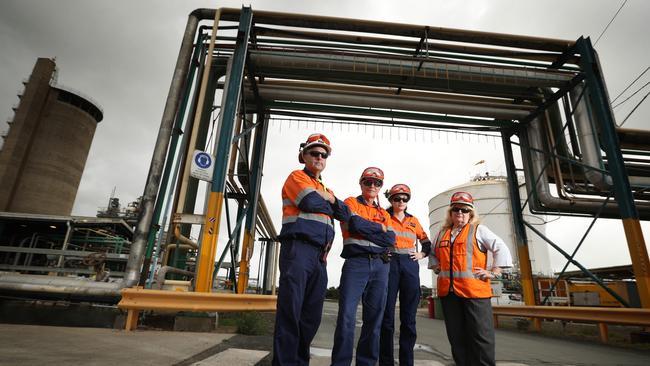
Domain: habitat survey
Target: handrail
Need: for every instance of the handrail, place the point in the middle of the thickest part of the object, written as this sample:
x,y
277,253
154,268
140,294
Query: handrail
x,y
137,299
601,316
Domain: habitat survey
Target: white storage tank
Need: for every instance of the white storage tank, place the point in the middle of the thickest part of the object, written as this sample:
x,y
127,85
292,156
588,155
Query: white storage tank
x,y
492,203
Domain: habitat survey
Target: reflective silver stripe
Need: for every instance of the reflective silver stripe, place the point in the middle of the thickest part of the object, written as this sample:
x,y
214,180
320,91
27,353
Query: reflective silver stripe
x,y
402,250
463,274
406,234
388,228
308,216
469,244
361,242
287,202
303,193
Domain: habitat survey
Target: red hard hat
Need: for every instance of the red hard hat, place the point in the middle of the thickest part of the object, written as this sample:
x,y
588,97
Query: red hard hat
x,y
462,198
372,173
317,139
398,189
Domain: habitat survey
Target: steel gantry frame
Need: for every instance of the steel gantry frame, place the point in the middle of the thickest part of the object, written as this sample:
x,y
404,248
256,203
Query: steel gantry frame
x,y
384,74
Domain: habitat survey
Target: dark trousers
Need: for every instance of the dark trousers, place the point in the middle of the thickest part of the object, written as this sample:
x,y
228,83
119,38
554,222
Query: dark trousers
x,y
403,279
366,280
470,330
303,282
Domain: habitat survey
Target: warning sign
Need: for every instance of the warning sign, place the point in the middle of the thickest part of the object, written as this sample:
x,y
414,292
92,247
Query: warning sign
x,y
202,165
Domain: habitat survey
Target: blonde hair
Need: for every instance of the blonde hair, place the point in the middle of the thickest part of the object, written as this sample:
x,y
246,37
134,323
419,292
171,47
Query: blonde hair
x,y
474,219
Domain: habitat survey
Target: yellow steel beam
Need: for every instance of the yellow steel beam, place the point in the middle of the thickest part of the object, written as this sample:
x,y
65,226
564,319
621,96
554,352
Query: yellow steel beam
x,y
639,255
137,299
625,316
247,251
525,274
209,243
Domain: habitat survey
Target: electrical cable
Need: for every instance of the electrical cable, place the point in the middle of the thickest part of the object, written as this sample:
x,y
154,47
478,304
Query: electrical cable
x,y
633,94
610,22
632,83
634,110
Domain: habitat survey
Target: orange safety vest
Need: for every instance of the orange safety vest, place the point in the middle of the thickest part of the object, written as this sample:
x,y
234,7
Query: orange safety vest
x,y
371,212
457,262
407,232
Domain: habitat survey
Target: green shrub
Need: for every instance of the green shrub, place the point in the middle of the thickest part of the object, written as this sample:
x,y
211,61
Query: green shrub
x,y
251,323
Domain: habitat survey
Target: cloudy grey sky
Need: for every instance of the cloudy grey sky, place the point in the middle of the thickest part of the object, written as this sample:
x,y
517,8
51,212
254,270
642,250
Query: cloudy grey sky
x,y
122,53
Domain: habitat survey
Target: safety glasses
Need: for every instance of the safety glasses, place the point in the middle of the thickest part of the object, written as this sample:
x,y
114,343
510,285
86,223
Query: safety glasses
x,y
371,182
400,199
460,209
316,154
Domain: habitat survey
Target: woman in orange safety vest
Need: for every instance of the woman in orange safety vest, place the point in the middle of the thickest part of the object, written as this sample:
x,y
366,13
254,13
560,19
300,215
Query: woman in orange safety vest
x,y
460,259
403,278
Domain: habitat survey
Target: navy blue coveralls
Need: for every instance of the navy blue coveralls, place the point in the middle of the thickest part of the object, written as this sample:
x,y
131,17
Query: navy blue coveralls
x,y
306,236
403,279
364,277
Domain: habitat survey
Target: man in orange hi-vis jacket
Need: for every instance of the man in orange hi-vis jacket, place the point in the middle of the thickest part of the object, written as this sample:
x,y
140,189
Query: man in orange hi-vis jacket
x,y
366,242
308,212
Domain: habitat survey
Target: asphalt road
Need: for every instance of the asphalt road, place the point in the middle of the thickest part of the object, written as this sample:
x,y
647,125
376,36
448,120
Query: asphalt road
x,y
513,347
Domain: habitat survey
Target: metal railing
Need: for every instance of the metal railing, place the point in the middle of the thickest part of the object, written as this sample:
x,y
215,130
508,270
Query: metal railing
x,y
600,316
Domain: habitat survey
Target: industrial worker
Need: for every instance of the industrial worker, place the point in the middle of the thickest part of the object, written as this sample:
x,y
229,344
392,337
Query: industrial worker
x,y
460,259
308,212
403,278
367,238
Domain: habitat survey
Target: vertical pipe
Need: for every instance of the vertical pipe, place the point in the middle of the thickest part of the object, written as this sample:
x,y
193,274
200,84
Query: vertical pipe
x,y
623,193
64,247
254,191
525,269
230,104
143,227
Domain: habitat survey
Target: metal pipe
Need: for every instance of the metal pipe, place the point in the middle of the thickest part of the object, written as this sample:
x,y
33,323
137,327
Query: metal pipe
x,y
66,240
266,62
162,272
398,102
588,139
535,165
399,29
58,285
182,238
169,247
143,227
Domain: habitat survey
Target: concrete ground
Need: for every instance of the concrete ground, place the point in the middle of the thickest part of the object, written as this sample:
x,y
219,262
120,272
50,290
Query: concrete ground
x,y
22,345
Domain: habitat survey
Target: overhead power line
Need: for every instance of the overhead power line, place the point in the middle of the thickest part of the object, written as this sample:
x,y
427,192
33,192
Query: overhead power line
x,y
634,109
633,94
610,22
632,83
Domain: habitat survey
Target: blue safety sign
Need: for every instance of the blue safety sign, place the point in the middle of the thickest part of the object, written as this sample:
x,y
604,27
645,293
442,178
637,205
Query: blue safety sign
x,y
202,165
203,160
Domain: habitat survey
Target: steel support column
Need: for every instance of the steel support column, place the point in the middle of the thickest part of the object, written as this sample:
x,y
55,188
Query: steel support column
x,y
525,269
254,191
622,190
230,106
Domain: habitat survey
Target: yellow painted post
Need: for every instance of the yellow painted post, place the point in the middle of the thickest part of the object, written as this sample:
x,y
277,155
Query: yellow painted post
x,y
603,332
209,243
526,275
247,250
639,256
537,324
131,319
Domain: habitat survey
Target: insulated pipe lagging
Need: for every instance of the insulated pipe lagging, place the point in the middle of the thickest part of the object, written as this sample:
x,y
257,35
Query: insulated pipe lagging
x,y
488,74
588,139
543,200
398,102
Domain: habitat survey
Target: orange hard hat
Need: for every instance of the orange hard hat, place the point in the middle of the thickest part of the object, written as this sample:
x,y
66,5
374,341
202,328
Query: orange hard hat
x,y
317,139
372,173
462,198
398,189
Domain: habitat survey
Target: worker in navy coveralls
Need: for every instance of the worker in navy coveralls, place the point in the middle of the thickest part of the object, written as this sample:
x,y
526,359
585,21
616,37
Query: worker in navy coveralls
x,y
308,212
404,278
367,238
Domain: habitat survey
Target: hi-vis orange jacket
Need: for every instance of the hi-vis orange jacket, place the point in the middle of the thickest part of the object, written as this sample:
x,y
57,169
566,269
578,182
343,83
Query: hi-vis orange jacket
x,y
305,214
457,262
407,233
363,233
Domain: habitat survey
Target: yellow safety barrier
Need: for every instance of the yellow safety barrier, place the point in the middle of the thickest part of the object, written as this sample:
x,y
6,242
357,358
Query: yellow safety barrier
x,y
137,299
600,316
